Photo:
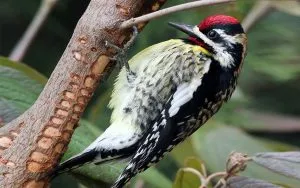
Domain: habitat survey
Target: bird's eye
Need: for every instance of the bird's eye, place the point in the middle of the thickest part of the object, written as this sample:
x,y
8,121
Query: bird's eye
x,y
212,34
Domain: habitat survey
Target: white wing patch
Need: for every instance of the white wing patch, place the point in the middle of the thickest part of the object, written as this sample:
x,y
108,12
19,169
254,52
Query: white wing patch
x,y
185,91
183,94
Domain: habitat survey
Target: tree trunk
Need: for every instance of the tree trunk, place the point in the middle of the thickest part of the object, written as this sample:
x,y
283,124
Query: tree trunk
x,y
32,145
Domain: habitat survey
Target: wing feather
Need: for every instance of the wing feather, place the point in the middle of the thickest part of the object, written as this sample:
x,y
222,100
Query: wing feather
x,y
183,94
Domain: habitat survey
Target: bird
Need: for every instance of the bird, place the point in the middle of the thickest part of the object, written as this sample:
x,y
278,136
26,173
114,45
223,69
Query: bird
x,y
165,93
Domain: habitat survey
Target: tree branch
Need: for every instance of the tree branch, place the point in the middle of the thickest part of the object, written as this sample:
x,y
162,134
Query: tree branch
x,y
270,122
134,21
260,9
32,145
23,44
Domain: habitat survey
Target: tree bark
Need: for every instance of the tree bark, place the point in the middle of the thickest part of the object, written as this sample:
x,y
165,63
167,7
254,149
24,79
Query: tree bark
x,y
32,145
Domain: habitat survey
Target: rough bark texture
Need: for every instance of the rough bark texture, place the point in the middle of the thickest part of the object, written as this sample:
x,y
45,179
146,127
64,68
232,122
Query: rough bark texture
x,y
32,145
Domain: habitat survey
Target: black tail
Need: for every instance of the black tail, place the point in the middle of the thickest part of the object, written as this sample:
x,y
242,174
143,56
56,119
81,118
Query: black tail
x,y
75,162
93,156
98,156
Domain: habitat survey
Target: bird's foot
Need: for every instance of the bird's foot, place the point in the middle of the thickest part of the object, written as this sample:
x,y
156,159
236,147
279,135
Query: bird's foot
x,y
121,56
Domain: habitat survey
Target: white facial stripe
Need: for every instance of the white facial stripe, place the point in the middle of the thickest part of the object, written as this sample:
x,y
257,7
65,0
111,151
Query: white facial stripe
x,y
238,38
203,37
225,59
231,39
221,55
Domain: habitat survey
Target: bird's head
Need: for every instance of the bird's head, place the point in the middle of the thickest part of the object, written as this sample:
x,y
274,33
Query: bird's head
x,y
221,35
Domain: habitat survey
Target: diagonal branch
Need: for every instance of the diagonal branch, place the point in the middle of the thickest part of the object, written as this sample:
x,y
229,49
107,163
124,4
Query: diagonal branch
x,y
134,21
32,144
41,15
260,9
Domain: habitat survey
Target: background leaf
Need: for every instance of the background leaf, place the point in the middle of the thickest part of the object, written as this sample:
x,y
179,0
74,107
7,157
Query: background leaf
x,y
245,182
186,180
20,85
218,141
181,157
286,163
290,7
154,178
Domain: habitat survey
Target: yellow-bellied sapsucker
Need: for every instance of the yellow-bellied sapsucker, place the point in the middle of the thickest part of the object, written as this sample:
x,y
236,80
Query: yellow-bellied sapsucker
x,y
174,88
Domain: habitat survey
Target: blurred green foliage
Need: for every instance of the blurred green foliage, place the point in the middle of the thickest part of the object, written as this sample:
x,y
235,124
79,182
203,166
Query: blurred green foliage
x,y
269,83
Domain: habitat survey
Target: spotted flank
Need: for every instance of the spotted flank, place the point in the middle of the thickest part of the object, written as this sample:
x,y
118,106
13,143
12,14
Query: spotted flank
x,y
149,151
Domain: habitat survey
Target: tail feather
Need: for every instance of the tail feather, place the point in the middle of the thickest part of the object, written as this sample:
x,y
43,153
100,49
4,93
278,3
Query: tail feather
x,y
116,143
75,162
94,156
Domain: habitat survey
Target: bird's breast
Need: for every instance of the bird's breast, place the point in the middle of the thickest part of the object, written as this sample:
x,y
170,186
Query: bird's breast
x,y
158,74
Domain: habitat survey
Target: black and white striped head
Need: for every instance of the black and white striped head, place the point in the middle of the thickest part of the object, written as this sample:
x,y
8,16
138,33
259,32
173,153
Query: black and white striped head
x,y
221,35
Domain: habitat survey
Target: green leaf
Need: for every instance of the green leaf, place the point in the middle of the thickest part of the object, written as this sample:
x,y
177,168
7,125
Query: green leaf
x,y
186,179
276,145
267,122
195,163
20,86
29,75
187,147
214,143
155,179
63,180
99,111
272,55
84,182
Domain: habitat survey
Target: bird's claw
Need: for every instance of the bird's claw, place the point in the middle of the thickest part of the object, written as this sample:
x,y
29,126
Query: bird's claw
x,y
132,39
115,47
121,56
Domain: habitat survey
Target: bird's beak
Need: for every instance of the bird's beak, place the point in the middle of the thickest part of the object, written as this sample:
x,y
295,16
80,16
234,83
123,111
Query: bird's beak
x,y
195,33
188,29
